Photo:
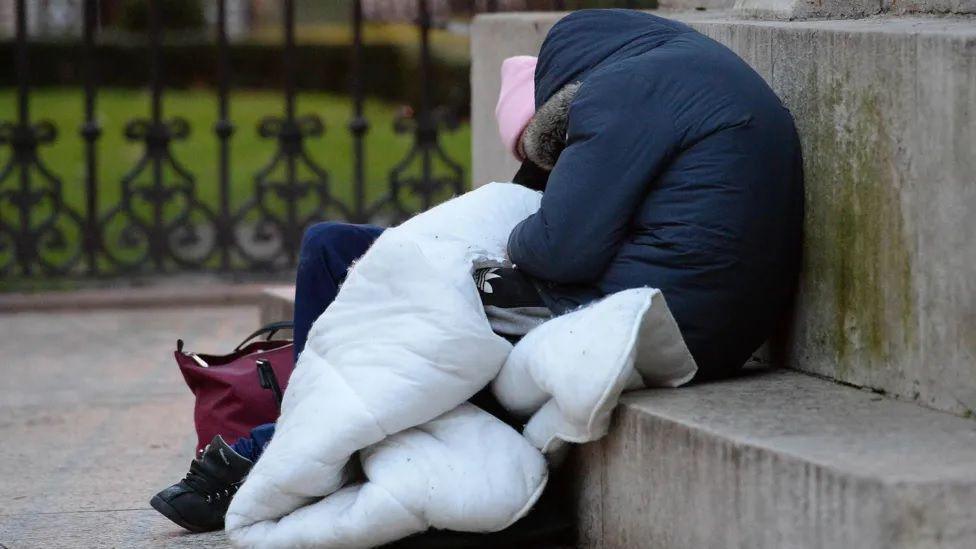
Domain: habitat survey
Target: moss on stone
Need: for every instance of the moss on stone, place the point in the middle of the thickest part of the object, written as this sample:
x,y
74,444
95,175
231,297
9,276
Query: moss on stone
x,y
858,255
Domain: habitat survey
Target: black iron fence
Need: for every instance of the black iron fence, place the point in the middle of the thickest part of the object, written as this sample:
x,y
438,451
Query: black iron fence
x,y
159,223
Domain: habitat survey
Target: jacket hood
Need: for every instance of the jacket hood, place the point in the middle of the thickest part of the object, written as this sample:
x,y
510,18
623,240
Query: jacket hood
x,y
545,134
587,39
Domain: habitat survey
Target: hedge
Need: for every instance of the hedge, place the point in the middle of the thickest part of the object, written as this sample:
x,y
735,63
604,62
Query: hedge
x,y
389,72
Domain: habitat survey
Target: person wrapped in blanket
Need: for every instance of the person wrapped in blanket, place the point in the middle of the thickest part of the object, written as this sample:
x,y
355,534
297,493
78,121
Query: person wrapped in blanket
x,y
664,160
511,299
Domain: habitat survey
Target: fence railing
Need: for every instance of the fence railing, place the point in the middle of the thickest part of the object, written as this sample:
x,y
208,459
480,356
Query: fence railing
x,y
160,224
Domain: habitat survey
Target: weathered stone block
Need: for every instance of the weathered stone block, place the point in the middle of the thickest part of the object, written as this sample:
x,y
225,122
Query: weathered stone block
x,y
885,110
493,38
276,303
929,6
834,9
695,4
807,9
779,460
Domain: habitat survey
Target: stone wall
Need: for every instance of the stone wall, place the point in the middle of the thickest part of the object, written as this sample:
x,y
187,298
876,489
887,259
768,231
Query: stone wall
x,y
885,111
807,9
493,38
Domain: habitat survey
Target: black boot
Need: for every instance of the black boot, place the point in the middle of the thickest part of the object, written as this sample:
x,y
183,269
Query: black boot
x,y
199,501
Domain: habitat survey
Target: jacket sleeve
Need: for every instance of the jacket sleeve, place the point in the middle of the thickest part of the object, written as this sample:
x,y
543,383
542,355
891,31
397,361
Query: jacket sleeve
x,y
620,138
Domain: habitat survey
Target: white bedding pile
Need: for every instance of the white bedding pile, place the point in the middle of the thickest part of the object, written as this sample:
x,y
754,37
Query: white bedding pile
x,y
384,378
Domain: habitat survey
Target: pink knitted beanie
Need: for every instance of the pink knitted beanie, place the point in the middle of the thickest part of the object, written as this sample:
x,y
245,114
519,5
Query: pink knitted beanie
x,y
516,101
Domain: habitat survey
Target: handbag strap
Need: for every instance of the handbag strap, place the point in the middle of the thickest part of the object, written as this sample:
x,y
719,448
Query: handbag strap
x,y
270,329
268,380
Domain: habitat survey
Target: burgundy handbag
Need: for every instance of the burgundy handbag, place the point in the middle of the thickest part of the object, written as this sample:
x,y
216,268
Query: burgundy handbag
x,y
237,392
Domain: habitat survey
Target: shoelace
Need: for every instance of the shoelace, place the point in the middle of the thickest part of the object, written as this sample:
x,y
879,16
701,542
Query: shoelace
x,y
220,495
206,486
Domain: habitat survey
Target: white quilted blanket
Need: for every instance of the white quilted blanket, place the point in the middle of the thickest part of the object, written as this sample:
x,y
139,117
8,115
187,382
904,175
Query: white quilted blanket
x,y
376,441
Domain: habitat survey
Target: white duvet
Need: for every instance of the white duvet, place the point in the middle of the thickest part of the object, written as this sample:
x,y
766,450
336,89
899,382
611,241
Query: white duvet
x,y
376,441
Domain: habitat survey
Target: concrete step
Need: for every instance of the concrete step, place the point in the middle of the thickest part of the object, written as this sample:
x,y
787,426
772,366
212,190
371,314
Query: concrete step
x,y
276,303
778,460
885,111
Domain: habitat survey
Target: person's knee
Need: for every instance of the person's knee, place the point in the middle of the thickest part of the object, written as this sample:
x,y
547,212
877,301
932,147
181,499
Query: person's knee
x,y
322,237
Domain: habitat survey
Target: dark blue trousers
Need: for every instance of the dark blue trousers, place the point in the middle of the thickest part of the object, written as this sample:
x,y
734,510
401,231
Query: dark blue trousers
x,y
328,250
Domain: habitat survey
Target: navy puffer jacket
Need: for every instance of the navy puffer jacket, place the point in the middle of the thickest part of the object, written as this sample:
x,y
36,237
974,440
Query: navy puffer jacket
x,y
681,171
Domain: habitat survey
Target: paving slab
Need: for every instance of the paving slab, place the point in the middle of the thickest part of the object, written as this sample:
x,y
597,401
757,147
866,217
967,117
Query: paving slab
x,y
95,418
187,292
124,529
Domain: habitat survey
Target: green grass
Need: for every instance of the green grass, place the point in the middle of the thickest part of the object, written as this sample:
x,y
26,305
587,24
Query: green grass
x,y
199,152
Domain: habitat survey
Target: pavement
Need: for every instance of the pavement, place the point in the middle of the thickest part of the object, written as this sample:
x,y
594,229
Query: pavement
x,y
95,418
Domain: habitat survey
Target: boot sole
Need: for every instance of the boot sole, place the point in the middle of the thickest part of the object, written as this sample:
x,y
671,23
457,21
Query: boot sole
x,y
169,512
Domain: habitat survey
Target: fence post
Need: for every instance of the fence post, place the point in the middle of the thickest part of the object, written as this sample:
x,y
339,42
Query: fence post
x,y
358,125
292,234
290,132
23,144
157,239
90,132
223,128
426,125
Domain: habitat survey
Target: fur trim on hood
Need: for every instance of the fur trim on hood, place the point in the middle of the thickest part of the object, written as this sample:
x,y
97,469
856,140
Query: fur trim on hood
x,y
545,136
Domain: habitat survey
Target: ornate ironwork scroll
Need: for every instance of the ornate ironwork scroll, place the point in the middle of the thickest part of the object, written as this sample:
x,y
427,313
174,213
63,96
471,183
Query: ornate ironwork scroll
x,y
291,191
159,219
159,223
415,183
35,223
